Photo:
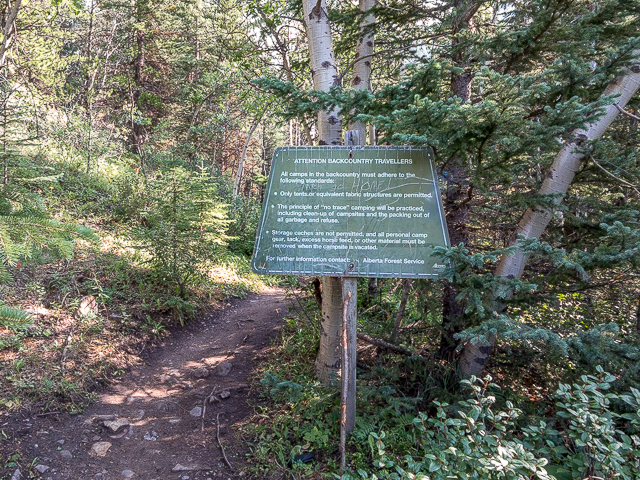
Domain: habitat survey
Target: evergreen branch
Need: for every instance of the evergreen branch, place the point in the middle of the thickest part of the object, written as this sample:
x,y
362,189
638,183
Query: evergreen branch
x,y
14,317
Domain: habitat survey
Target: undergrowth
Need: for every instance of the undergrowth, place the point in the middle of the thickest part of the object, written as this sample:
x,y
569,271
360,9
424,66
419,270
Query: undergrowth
x,y
52,356
415,419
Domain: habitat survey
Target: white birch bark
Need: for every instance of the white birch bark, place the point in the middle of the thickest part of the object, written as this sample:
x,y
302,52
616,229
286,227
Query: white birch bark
x,y
10,14
325,75
534,222
564,168
323,67
361,79
243,157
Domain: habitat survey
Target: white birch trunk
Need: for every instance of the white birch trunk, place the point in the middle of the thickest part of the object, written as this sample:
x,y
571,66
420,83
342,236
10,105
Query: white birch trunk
x,y
361,79
10,13
243,157
564,168
534,222
323,67
325,75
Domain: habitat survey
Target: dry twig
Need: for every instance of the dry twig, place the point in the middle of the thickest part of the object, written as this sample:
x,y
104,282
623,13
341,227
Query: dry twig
x,y
220,443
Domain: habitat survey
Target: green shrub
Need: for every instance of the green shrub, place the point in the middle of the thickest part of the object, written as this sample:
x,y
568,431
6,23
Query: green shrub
x,y
182,226
590,439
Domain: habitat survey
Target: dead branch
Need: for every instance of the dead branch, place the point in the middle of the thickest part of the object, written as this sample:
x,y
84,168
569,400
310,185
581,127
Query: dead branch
x,y
382,344
629,114
220,443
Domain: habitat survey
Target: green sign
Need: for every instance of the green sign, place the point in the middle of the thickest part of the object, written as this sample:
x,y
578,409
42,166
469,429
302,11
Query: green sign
x,y
358,211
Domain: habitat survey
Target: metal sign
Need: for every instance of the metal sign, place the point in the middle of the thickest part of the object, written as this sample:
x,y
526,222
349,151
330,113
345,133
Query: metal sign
x,y
357,211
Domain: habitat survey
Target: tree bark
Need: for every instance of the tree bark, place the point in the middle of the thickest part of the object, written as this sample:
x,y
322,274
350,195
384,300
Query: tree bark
x,y
9,15
325,75
361,79
406,288
323,67
243,156
458,193
329,356
534,221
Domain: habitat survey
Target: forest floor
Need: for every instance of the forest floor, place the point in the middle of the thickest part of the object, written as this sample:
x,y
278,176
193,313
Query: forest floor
x,y
177,416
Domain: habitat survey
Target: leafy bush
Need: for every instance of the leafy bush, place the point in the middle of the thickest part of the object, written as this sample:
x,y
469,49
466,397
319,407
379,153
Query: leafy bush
x,y
477,443
590,440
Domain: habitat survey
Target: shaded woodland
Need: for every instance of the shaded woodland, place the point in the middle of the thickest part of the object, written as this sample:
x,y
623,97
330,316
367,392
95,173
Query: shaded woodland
x,y
137,138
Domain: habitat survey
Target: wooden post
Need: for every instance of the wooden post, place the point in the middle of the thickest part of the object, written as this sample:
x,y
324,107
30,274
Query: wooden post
x,y
348,361
348,394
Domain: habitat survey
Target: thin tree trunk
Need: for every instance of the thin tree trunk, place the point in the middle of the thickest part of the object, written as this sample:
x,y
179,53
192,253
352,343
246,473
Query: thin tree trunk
x,y
286,65
534,222
406,288
361,79
638,318
9,15
243,156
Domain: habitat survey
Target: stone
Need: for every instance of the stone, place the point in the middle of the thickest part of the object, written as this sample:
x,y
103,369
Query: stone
x,y
17,475
196,412
100,449
66,454
60,442
224,368
201,372
88,307
174,421
150,437
127,474
139,414
116,426
41,468
96,438
183,468
225,394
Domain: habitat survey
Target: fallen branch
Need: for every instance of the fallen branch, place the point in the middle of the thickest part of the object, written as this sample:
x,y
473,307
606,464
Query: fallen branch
x,y
220,443
63,356
390,346
204,406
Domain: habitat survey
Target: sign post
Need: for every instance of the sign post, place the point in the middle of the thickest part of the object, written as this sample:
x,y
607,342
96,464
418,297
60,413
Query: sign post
x,y
351,212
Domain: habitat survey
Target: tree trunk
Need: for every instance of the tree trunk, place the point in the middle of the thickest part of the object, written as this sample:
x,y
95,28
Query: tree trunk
x,y
329,356
459,191
534,222
323,67
243,157
406,289
325,75
9,15
361,79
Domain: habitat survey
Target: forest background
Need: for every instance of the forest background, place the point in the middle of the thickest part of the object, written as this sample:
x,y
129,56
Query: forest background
x,y
136,141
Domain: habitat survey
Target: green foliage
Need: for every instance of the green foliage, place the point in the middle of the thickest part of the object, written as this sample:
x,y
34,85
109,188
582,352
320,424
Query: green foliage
x,y
183,225
13,318
242,231
475,443
590,439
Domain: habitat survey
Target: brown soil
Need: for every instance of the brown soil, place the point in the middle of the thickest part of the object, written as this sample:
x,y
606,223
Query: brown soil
x,y
161,435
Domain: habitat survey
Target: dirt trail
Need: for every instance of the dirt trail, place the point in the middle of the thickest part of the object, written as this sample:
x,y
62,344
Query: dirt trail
x,y
151,421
